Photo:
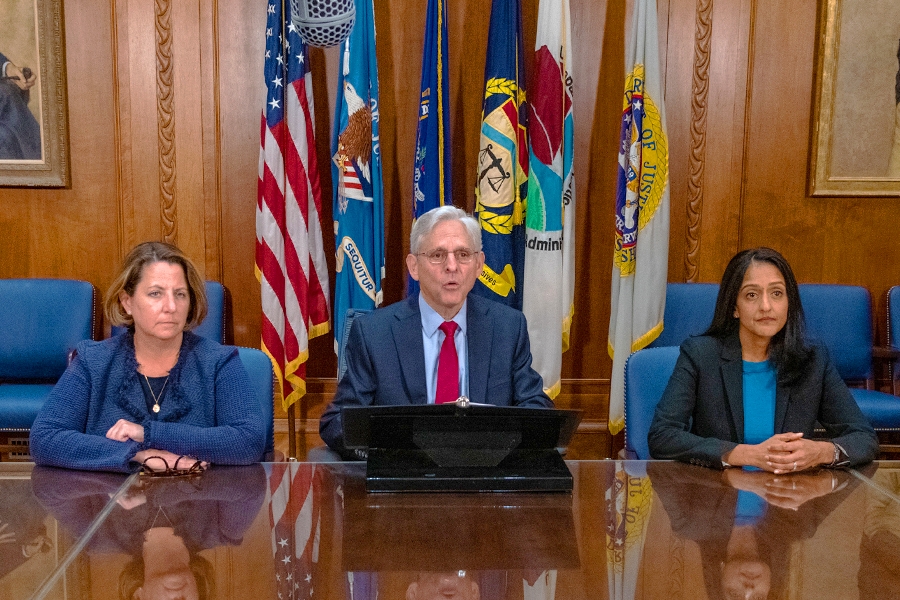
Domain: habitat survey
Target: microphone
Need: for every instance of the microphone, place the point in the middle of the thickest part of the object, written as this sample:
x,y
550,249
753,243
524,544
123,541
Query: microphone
x,y
323,23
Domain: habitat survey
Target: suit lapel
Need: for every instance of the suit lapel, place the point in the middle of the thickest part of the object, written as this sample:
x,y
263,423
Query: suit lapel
x,y
733,376
407,331
479,339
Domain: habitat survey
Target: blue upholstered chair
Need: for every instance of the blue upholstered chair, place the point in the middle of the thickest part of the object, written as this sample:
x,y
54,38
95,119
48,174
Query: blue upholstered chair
x,y
689,311
841,317
41,321
214,326
647,373
351,315
259,369
893,334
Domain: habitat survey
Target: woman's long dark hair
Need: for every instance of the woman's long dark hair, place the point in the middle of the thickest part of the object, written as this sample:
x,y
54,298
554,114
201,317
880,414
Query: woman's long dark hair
x,y
788,350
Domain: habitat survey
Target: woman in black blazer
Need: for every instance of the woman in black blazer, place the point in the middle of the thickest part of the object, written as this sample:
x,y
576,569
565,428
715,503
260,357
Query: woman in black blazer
x,y
751,389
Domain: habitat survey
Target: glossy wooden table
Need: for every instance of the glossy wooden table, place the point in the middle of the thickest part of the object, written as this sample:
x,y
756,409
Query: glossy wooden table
x,y
300,530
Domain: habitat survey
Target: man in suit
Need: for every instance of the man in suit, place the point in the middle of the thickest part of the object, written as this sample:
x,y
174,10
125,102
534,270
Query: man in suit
x,y
393,353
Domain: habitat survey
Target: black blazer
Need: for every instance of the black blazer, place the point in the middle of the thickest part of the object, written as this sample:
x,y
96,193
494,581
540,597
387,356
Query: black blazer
x,y
700,417
386,362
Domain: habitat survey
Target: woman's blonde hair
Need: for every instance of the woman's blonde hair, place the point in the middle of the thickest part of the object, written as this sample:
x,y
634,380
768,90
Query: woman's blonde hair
x,y
130,275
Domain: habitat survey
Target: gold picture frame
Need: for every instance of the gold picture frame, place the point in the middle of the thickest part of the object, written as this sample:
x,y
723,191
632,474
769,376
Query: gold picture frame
x,y
35,29
856,131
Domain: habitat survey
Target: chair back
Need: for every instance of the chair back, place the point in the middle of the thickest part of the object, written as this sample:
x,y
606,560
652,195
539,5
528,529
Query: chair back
x,y
840,316
213,327
351,315
41,321
259,369
893,317
689,311
647,373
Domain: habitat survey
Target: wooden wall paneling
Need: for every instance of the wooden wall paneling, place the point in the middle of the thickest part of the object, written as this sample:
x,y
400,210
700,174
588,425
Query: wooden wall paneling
x,y
598,32
140,131
699,134
210,97
678,53
165,118
776,211
187,129
724,131
240,56
124,175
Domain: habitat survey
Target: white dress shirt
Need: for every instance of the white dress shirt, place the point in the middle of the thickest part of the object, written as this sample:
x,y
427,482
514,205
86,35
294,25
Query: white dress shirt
x,y
432,338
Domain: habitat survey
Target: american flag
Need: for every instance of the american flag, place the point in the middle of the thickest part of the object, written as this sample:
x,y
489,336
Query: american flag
x,y
290,258
295,517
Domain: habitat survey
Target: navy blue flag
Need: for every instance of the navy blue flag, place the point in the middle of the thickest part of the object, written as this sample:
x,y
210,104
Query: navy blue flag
x,y
501,186
431,180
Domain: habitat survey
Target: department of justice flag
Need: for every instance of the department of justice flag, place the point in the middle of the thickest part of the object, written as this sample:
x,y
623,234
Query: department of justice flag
x,y
501,184
358,203
431,179
641,256
549,286
290,257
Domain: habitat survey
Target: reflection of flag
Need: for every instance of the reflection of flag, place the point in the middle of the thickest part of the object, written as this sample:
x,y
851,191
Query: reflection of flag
x,y
295,518
629,497
641,256
502,182
550,217
894,169
358,205
290,258
431,179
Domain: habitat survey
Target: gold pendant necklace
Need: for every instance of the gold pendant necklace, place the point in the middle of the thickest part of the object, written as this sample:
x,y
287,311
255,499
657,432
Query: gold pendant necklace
x,y
156,397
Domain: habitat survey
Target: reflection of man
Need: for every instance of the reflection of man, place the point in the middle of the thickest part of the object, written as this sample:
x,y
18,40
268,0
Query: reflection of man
x,y
20,134
398,355
443,586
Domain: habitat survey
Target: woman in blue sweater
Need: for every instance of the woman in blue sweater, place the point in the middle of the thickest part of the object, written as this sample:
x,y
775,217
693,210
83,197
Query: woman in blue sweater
x,y
751,389
158,395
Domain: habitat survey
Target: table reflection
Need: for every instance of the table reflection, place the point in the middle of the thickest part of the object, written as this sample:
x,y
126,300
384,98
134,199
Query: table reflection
x,y
629,530
25,545
159,524
745,522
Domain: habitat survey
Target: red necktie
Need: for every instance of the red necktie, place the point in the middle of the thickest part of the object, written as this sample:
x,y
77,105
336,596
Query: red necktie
x,y
448,367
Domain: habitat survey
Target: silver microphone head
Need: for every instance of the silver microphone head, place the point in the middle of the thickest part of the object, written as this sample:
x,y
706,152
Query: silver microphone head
x,y
323,23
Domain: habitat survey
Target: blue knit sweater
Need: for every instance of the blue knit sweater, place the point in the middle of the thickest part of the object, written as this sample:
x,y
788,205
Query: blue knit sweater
x,y
208,411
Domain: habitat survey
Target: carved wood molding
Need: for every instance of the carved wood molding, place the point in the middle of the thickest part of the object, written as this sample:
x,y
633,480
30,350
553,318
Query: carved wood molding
x,y
165,112
699,97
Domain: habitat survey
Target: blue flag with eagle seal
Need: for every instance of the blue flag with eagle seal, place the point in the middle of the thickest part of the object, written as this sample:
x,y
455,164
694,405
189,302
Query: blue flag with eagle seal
x,y
501,184
641,253
358,203
431,178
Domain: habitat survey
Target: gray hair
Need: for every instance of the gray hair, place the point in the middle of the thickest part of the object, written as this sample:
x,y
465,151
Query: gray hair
x,y
425,224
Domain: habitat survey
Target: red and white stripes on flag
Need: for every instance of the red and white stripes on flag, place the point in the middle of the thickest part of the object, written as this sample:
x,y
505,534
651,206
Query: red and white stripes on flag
x,y
290,257
296,520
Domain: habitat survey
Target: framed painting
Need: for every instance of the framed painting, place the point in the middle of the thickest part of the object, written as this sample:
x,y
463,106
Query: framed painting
x,y
34,141
856,131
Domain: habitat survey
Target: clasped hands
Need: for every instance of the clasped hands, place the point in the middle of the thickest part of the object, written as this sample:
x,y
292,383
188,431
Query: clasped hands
x,y
783,453
784,492
155,460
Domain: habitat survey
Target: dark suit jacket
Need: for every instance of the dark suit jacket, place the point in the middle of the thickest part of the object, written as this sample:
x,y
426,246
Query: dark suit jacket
x,y
701,414
386,362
